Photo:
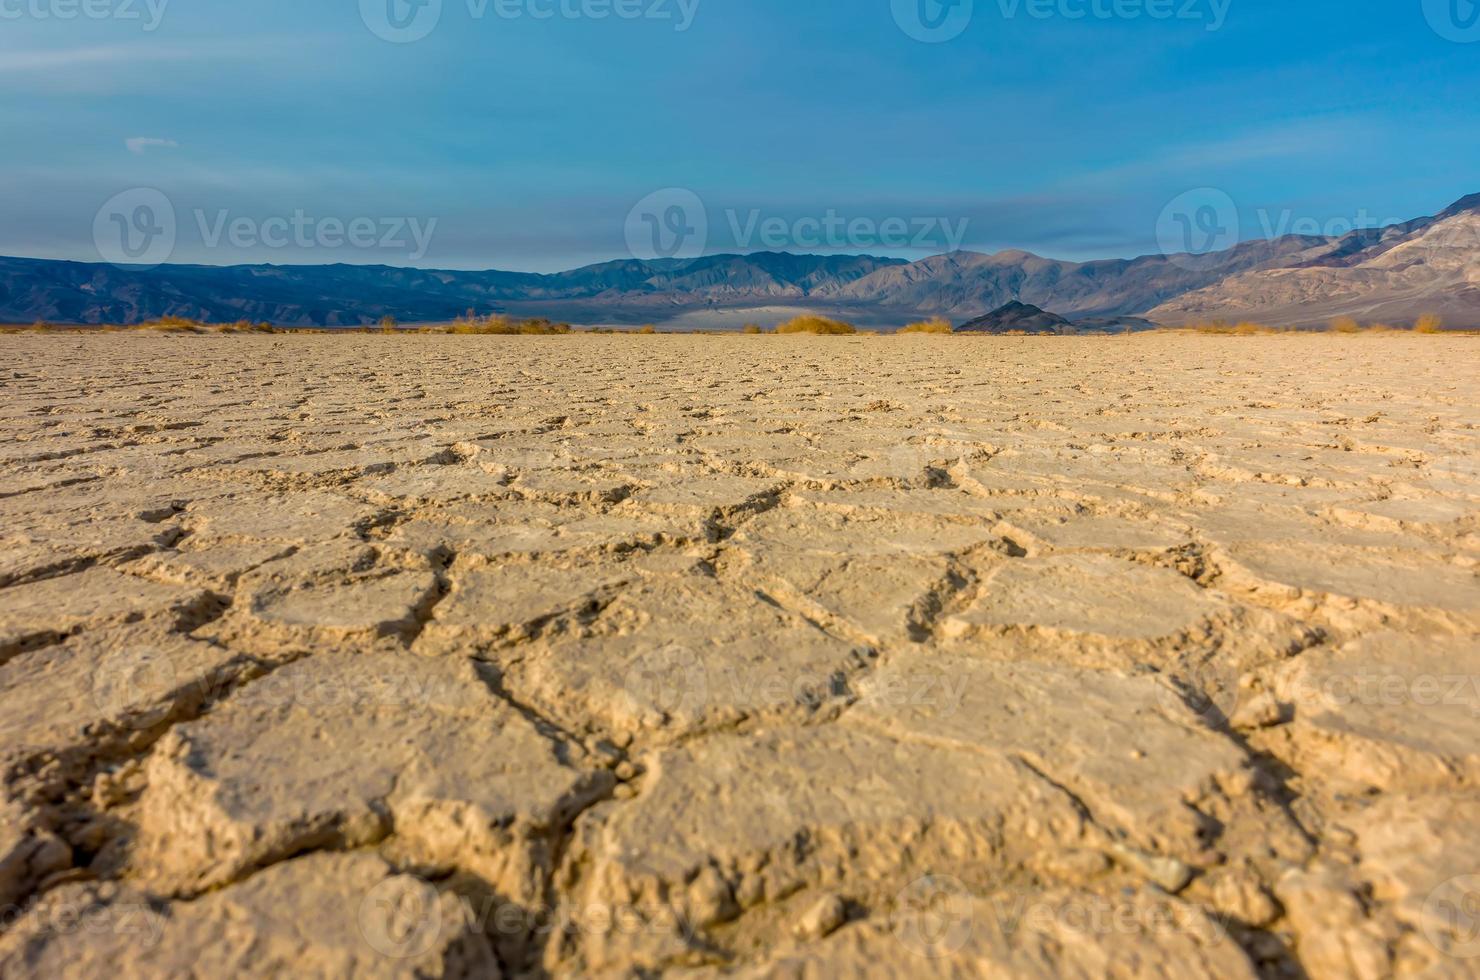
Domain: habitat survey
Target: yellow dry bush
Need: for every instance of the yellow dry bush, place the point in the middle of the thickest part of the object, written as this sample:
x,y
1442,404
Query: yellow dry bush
x,y
172,324
933,325
503,326
246,326
816,325
1215,327
752,328
1345,324
1429,323
648,330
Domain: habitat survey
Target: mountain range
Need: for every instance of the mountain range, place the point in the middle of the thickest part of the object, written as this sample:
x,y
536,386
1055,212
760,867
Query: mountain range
x,y
1395,274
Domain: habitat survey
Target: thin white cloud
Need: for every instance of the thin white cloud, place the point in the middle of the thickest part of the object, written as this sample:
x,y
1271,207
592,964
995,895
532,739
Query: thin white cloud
x,y
140,53
16,62
138,144
1289,141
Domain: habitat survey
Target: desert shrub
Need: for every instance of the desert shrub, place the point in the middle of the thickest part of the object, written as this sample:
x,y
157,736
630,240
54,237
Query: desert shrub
x,y
933,325
816,325
1248,329
752,328
172,324
388,324
1345,324
648,329
1429,323
542,327
246,326
503,326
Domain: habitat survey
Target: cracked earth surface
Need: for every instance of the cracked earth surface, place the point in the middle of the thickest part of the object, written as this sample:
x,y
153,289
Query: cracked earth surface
x,y
464,656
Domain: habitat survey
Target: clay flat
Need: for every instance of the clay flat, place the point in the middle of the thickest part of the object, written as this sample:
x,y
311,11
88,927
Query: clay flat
x,y
444,656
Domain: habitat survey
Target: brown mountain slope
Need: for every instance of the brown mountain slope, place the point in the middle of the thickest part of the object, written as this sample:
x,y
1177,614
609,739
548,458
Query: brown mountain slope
x,y
968,284
1395,279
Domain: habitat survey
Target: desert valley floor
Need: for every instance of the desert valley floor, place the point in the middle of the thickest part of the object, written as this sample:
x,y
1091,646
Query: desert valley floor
x,y
776,656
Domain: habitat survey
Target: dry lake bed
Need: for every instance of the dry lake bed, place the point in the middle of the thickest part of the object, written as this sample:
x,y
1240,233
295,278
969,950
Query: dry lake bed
x,y
775,656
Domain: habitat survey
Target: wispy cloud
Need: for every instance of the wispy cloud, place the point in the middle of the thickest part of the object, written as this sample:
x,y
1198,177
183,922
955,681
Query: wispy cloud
x,y
138,144
149,52
19,62
1278,143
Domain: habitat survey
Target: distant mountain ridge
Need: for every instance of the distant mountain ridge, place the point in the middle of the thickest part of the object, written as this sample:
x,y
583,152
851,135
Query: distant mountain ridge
x,y
342,295
1428,265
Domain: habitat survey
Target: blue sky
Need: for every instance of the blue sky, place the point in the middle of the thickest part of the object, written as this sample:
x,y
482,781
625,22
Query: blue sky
x,y
517,141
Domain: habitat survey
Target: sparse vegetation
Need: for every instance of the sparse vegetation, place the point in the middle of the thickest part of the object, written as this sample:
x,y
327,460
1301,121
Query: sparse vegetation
x,y
1223,328
648,329
388,324
1427,324
752,328
933,325
499,325
172,324
816,325
246,326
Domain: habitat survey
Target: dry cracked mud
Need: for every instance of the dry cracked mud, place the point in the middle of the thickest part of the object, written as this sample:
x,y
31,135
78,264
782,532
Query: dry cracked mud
x,y
703,656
